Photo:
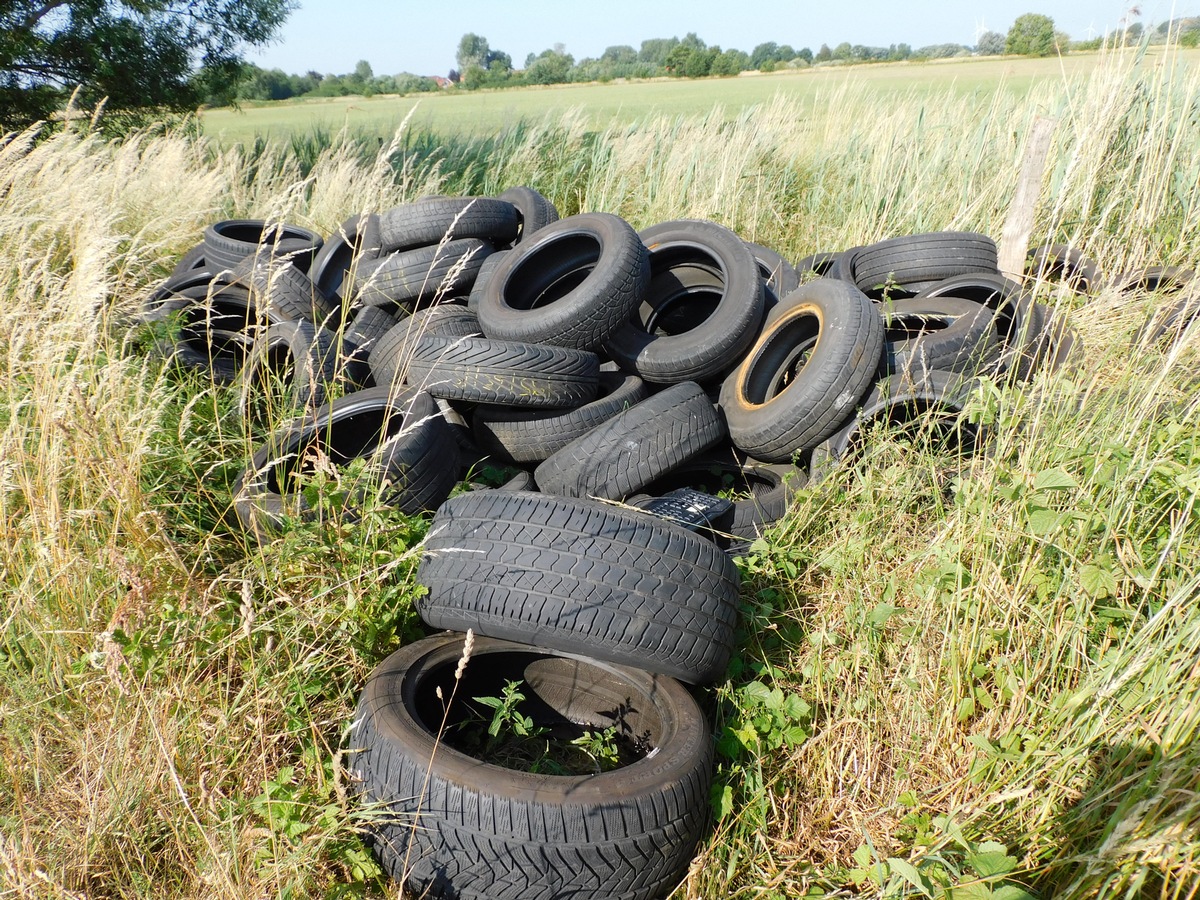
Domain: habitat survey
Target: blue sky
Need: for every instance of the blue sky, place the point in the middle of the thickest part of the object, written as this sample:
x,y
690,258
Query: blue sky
x,y
332,35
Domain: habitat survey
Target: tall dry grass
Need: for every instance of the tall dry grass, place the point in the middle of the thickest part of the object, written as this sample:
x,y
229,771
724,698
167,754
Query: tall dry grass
x,y
1003,653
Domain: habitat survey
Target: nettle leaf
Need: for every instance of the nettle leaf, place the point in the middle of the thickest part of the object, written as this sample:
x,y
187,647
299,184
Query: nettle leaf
x,y
991,860
1012,892
721,798
1097,581
1054,480
1043,521
758,692
880,615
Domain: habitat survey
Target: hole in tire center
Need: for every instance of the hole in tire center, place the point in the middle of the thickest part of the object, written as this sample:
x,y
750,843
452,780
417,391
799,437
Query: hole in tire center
x,y
563,699
339,440
780,359
908,326
553,272
222,329
681,297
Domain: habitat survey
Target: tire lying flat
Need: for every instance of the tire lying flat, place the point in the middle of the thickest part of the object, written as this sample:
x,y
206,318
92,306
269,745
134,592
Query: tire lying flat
x,y
458,827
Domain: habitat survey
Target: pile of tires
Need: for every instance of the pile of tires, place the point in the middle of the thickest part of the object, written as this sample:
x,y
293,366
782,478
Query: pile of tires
x,y
625,379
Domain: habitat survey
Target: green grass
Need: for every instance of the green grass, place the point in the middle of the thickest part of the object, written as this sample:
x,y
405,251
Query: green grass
x,y
957,680
621,104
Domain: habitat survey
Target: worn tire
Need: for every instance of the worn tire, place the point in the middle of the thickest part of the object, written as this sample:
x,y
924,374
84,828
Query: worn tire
x,y
913,260
228,242
508,373
407,277
572,284
463,828
530,436
1063,263
775,410
392,352
900,400
703,306
355,241
779,276
283,292
945,333
534,211
580,576
635,446
412,454
298,353
434,220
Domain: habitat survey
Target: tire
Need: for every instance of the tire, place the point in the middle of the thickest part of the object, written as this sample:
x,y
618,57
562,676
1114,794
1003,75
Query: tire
x,y
534,211
572,284
944,333
228,242
370,323
1170,321
283,292
580,576
530,436
297,353
634,447
522,481
218,324
459,827
1017,320
191,261
1153,279
413,460
703,307
779,276
820,265
390,357
911,261
508,373
900,400
356,240
436,220
1065,264
770,489
427,273
482,277
775,410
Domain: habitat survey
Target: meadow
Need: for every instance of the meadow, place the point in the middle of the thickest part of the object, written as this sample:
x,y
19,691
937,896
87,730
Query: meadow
x,y
955,679
618,104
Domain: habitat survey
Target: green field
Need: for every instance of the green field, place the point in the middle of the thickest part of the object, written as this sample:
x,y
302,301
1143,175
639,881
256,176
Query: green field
x,y
617,104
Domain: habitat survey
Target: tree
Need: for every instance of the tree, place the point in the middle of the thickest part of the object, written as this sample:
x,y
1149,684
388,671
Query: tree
x,y
1031,35
549,67
472,51
824,54
991,43
762,53
165,54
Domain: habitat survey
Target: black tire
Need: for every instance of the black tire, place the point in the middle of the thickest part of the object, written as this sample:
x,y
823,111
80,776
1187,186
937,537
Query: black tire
x,y
301,356
820,265
228,242
522,481
284,293
580,576
703,307
945,333
634,447
779,276
390,357
369,324
933,400
507,373
911,261
413,460
1065,264
356,240
218,324
534,211
572,284
437,219
835,335
1017,319
482,277
192,261
403,279
765,490
463,828
1170,321
530,436
1153,279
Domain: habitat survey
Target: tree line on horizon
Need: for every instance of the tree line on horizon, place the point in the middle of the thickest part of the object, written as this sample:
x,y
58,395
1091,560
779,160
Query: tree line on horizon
x,y
481,66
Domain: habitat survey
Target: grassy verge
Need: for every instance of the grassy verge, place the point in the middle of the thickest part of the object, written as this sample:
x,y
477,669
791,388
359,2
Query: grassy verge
x,y
962,681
